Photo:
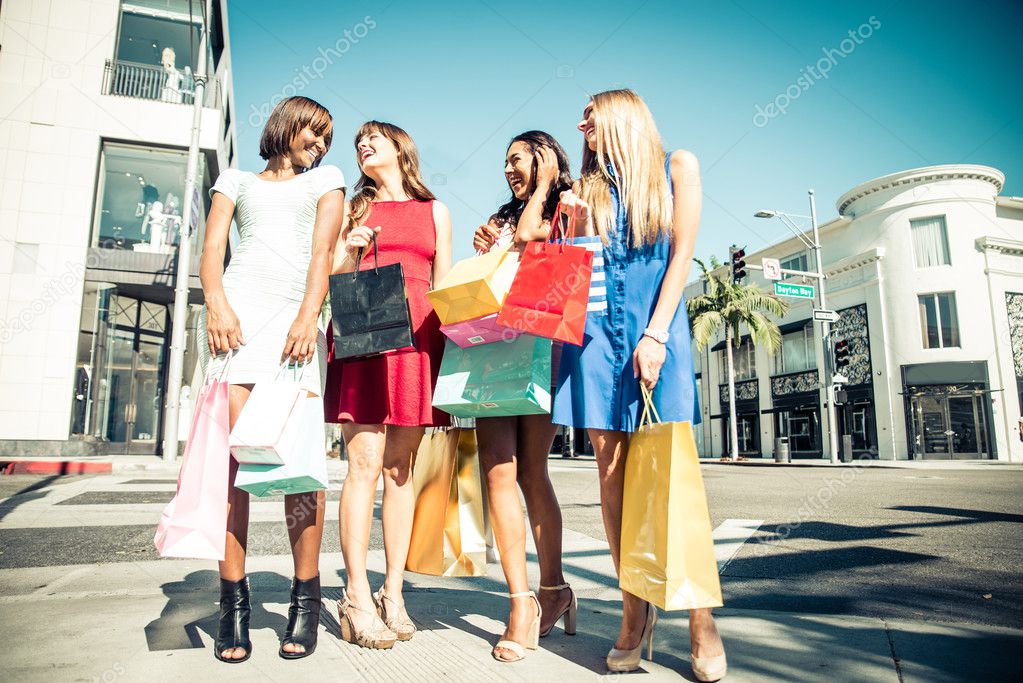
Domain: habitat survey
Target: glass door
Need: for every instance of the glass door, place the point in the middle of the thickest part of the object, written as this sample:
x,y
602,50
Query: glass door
x,y
950,427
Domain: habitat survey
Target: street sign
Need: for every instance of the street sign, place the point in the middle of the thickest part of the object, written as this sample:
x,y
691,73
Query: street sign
x,y
794,291
772,268
825,316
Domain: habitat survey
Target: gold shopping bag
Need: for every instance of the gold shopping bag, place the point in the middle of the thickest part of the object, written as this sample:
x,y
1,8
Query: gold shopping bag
x,y
667,555
450,529
474,287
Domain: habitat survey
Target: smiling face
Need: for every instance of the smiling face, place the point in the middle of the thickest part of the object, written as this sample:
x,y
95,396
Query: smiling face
x,y
375,151
588,127
306,148
518,170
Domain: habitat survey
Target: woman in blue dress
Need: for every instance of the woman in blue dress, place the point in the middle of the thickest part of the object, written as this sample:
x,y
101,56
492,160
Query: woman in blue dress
x,y
641,209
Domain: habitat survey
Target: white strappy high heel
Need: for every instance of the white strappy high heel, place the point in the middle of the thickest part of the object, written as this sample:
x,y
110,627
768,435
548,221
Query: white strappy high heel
x,y
532,639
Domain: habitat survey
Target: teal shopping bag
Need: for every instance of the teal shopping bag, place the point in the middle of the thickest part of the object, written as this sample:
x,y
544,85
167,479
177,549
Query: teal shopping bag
x,y
504,378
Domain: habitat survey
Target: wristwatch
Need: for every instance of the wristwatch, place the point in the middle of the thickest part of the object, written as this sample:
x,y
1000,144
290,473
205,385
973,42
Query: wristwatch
x,y
659,336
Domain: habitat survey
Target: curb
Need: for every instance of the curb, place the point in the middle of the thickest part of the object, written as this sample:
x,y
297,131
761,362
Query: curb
x,y
55,467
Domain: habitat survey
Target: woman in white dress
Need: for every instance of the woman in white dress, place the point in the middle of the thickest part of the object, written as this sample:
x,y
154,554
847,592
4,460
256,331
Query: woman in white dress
x,y
266,308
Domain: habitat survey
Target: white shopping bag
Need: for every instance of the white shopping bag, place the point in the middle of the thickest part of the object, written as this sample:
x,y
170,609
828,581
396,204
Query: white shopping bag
x,y
264,430
305,465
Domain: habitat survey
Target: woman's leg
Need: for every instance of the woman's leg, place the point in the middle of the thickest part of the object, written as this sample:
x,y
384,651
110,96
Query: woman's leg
x,y
365,444
611,449
303,513
496,438
232,567
399,504
535,436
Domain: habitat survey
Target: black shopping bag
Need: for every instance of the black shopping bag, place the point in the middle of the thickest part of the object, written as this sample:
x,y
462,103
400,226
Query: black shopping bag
x,y
369,310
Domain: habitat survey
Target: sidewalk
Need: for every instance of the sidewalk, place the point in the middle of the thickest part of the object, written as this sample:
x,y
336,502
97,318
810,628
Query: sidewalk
x,y
155,620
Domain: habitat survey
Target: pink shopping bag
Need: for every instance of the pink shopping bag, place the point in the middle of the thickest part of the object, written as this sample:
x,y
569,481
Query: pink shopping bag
x,y
476,331
265,430
194,523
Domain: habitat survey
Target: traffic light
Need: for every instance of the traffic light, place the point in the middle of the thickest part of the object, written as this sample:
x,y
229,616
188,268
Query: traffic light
x,y
736,257
841,355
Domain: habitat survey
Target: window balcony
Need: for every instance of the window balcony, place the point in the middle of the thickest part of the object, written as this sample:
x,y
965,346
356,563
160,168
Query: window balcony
x,y
161,84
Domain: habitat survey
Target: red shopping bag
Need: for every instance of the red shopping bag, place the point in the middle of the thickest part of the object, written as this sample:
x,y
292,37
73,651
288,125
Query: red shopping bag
x,y
550,291
194,523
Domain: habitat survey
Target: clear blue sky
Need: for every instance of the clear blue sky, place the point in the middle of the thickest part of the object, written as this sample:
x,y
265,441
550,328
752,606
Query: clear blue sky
x,y
925,83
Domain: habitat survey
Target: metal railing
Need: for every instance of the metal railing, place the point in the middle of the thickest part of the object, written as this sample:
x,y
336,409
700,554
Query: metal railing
x,y
151,82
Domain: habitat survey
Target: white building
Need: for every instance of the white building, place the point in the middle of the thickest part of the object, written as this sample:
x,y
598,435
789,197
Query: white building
x,y
96,102
926,268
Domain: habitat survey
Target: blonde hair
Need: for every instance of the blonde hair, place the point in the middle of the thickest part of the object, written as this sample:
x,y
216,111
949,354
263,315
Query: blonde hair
x,y
628,140
365,189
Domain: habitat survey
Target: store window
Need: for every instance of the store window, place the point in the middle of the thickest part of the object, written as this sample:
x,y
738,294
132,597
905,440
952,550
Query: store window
x,y
939,321
745,358
797,352
157,50
930,242
140,202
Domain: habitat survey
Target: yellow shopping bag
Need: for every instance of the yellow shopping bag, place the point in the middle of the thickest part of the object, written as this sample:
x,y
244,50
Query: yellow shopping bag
x,y
475,287
667,553
450,529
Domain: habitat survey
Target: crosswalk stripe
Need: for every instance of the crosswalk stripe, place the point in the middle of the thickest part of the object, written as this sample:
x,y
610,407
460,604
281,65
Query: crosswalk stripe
x,y
729,537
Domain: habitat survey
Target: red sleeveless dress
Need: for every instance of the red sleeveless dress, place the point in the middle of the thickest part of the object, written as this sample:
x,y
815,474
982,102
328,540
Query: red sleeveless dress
x,y
395,388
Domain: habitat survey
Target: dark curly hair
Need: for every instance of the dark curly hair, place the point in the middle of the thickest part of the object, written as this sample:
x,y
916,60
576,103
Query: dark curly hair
x,y
534,139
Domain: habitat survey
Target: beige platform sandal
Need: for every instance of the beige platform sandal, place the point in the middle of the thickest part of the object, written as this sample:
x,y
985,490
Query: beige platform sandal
x,y
377,637
394,615
532,639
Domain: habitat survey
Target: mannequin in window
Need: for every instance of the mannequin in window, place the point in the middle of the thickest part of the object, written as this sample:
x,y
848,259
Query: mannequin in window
x,y
172,85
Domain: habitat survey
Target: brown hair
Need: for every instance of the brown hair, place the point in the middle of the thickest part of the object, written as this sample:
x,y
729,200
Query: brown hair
x,y
365,188
288,119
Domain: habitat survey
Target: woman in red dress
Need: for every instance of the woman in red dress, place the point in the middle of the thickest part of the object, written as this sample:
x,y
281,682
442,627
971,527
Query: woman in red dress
x,y
384,402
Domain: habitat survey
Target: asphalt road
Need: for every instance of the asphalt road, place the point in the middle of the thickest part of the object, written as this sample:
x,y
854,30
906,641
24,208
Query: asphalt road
x,y
941,545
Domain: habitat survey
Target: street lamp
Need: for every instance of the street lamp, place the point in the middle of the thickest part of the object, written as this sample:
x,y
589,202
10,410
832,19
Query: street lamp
x,y
818,274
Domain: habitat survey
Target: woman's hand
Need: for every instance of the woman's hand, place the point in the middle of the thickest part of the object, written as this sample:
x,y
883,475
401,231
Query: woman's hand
x,y
223,331
485,238
301,343
359,238
647,360
573,204
546,169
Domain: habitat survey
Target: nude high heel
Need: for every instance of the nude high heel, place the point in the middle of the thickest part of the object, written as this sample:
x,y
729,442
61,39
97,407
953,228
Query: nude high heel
x,y
621,661
708,669
532,639
377,637
569,613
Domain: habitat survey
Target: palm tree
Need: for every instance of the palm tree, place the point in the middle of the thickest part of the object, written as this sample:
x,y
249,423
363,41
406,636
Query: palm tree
x,y
728,304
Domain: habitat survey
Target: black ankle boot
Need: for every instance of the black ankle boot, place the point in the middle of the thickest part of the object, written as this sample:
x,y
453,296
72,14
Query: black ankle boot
x,y
303,617
234,619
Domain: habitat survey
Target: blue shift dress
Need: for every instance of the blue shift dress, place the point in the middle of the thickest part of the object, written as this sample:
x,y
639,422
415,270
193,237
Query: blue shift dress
x,y
596,388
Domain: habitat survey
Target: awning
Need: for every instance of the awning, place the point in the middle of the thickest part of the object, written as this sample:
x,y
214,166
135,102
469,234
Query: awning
x,y
780,409
720,346
793,327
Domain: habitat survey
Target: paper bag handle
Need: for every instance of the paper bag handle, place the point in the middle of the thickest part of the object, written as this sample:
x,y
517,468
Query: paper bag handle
x,y
649,415
567,235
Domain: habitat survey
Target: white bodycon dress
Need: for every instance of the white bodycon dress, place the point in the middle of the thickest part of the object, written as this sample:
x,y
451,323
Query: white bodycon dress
x,y
265,280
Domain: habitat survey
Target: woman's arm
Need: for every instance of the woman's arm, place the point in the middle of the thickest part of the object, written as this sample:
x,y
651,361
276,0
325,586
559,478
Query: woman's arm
x,y
223,331
301,342
442,258
532,226
687,199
